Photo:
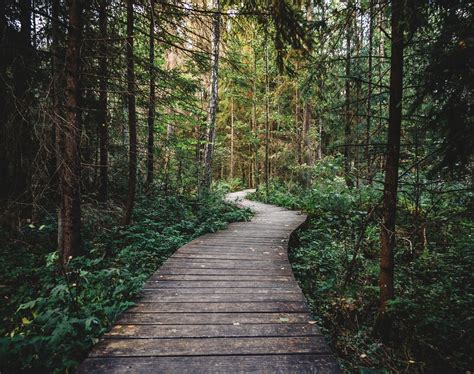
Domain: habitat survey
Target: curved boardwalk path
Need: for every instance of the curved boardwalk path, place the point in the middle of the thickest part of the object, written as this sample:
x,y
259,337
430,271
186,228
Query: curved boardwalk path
x,y
226,302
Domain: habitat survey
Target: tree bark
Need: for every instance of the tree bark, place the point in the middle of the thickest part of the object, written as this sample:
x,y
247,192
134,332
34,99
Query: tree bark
x,y
231,166
152,98
69,225
103,98
56,132
267,113
132,118
254,121
389,211
348,122
369,92
308,155
214,98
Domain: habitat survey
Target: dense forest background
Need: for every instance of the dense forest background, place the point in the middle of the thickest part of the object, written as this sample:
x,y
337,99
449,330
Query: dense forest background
x,y
122,124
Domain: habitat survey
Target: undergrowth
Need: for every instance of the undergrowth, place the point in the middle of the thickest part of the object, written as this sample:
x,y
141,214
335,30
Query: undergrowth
x,y
338,269
51,317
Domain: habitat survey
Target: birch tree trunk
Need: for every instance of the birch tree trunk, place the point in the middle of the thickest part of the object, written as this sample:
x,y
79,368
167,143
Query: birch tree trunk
x,y
254,121
214,98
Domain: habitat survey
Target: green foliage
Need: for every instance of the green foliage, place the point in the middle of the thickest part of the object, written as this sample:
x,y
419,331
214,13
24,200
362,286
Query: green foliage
x,y
231,185
51,317
435,294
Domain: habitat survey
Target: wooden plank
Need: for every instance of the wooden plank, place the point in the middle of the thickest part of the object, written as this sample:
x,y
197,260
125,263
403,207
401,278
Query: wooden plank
x,y
221,284
300,363
209,346
224,256
234,297
220,307
208,331
245,252
212,318
217,263
168,270
213,290
247,266
183,277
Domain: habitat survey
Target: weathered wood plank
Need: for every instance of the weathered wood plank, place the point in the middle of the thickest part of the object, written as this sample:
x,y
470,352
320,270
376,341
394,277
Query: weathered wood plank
x,y
221,284
150,296
279,364
209,346
213,290
220,307
233,256
208,331
212,318
248,265
207,277
168,270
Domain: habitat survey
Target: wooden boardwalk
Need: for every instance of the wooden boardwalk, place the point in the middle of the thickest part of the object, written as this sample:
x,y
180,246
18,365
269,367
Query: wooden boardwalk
x,y
226,302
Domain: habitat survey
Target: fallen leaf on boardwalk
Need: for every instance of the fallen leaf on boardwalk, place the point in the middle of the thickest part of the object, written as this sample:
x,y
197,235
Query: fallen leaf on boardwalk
x,y
284,319
312,322
236,324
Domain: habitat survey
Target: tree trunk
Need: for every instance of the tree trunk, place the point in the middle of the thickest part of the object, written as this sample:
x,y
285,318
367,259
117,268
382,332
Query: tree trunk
x,y
69,225
56,133
132,118
320,132
267,113
254,120
387,292
348,122
231,166
152,98
369,93
214,98
103,98
299,148
308,155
